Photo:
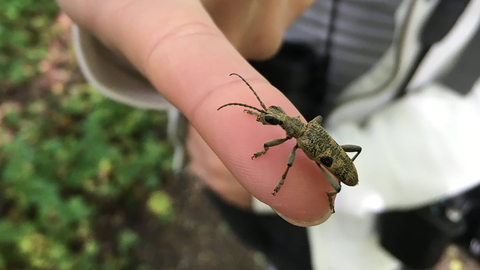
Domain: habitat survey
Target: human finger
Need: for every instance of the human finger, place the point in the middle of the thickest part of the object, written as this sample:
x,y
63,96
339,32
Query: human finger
x,y
176,45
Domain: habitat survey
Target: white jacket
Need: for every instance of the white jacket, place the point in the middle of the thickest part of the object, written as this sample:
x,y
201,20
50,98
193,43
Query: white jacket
x,y
417,149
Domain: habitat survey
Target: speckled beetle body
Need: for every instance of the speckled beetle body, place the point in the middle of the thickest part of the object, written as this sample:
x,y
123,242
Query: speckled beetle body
x,y
313,139
319,146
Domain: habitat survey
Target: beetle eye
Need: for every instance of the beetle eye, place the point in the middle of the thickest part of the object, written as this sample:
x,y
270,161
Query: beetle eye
x,y
327,161
277,108
272,120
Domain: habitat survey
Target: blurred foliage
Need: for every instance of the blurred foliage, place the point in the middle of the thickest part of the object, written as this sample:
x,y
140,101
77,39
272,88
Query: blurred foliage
x,y
24,36
160,204
63,159
77,170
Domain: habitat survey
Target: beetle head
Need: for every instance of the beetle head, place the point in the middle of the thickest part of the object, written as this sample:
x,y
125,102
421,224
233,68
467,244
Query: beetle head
x,y
272,116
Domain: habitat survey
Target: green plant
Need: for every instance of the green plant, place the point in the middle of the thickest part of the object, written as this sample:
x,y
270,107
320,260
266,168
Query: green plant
x,y
160,204
25,32
67,160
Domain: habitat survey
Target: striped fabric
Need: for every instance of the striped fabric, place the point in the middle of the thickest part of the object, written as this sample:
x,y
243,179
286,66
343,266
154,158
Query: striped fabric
x,y
363,30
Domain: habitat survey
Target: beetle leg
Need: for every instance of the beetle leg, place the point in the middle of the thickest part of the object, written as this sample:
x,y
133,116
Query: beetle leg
x,y
334,183
291,159
270,144
330,199
352,148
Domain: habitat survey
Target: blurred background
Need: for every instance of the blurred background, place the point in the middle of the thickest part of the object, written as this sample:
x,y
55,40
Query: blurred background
x,y
85,182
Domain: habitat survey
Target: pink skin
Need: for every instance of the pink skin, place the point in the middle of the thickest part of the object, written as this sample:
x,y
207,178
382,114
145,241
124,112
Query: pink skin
x,y
177,46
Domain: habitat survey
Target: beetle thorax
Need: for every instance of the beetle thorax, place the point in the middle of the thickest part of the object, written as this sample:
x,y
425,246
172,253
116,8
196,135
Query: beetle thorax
x,y
293,126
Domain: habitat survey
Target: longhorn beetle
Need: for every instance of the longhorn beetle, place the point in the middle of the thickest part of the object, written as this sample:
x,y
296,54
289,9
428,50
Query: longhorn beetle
x,y
312,138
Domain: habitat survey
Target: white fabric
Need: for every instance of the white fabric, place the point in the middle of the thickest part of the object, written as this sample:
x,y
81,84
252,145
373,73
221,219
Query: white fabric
x,y
348,242
427,137
416,151
110,79
422,148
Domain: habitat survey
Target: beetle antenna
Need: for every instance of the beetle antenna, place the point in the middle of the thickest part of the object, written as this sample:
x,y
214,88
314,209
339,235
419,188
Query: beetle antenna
x,y
241,104
251,88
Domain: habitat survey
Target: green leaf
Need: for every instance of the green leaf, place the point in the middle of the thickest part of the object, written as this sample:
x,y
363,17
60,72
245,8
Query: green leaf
x,y
160,204
127,240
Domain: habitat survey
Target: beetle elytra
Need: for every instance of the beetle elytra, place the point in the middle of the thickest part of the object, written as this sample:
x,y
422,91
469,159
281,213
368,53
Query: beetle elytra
x,y
312,138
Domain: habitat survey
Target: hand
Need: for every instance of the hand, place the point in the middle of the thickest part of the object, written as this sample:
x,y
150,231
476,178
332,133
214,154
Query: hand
x,y
208,167
180,49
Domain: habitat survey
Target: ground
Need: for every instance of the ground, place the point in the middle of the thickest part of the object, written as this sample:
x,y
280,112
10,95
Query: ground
x,y
197,238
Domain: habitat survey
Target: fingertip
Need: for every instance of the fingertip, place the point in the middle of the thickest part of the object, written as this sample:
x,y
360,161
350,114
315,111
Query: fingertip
x,y
302,200
303,223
